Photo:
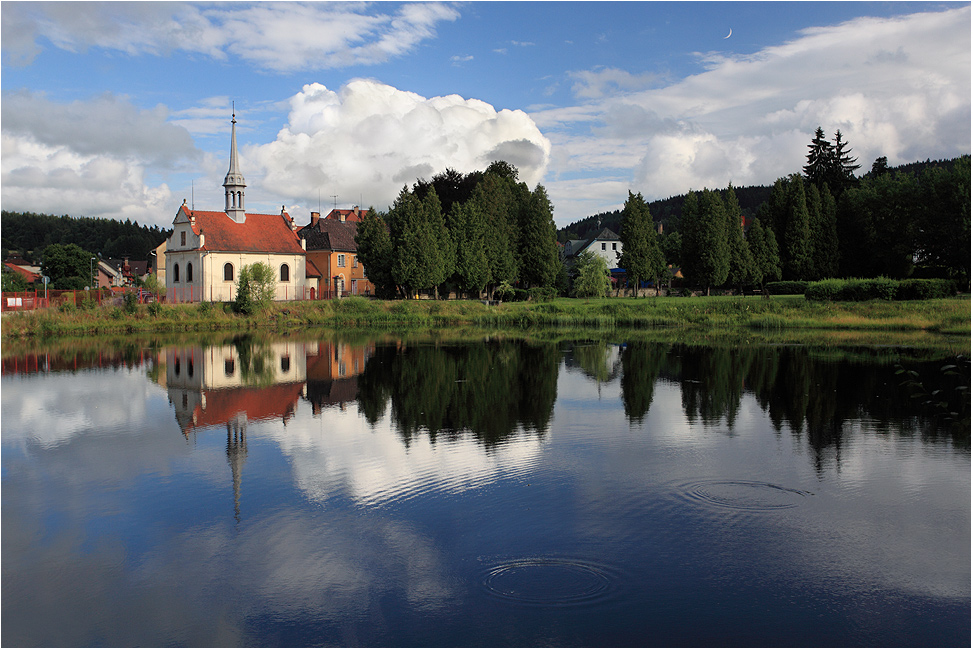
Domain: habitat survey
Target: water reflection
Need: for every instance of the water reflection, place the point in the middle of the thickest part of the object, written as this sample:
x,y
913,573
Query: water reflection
x,y
489,492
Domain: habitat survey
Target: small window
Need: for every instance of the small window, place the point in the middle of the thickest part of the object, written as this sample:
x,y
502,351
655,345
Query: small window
x,y
341,260
614,247
182,238
285,364
228,272
189,272
285,273
229,366
354,261
175,273
604,246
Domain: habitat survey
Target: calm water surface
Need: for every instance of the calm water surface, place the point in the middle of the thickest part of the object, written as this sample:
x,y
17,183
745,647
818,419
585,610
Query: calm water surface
x,y
489,493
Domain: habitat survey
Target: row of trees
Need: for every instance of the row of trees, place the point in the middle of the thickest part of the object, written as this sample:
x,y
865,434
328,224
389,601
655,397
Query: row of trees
x,y
491,232
824,223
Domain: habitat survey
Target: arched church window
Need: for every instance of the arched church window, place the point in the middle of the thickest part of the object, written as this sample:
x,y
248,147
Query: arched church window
x,y
189,272
285,273
175,273
228,272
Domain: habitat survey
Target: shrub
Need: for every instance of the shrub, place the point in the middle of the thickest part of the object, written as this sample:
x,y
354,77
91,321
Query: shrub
x,y
914,289
786,287
255,288
130,302
504,292
154,308
542,294
204,308
823,290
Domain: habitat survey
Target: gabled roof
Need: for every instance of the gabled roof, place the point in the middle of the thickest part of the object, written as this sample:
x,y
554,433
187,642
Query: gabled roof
x,y
329,235
260,233
353,215
30,276
576,246
310,270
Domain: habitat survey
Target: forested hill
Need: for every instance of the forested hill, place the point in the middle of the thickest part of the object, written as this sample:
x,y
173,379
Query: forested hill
x,y
28,234
667,211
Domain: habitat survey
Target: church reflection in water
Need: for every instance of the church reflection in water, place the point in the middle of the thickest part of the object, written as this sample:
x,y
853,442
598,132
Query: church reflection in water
x,y
245,381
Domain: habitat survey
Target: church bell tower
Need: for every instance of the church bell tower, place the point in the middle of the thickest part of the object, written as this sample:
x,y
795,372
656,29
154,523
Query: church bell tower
x,y
233,184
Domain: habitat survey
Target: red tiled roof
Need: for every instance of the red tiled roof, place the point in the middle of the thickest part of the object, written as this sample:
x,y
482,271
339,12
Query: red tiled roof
x,y
260,233
349,215
311,271
30,276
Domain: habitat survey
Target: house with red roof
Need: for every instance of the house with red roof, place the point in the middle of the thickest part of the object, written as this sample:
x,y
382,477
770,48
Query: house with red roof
x,y
207,249
333,252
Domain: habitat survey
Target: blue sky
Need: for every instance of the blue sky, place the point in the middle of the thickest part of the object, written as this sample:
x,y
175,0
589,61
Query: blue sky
x,y
122,110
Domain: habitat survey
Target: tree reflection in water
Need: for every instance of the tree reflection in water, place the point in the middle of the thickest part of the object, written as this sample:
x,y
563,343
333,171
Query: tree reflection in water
x,y
492,389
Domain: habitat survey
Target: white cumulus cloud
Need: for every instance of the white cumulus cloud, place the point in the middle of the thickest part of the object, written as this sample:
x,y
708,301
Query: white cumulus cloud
x,y
368,139
896,87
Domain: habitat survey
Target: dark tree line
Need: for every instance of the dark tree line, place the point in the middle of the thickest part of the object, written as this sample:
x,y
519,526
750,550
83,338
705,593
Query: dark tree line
x,y
482,231
825,223
29,234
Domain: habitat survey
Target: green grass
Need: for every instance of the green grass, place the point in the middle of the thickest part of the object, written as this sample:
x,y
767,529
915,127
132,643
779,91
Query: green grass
x,y
949,316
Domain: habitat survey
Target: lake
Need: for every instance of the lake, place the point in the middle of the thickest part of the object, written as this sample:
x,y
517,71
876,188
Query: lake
x,y
484,490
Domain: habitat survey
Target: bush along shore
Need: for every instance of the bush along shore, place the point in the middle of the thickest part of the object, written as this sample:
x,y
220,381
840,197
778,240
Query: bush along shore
x,y
942,315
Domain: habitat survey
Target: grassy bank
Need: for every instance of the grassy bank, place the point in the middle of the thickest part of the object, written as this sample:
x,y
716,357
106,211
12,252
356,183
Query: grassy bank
x,y
945,316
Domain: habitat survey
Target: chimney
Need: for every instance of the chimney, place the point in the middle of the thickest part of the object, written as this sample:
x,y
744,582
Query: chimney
x,y
356,210
314,218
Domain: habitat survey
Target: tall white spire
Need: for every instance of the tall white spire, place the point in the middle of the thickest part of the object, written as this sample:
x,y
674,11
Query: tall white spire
x,y
233,184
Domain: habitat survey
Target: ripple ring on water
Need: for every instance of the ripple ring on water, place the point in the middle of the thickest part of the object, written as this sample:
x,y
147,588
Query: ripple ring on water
x,y
744,495
548,581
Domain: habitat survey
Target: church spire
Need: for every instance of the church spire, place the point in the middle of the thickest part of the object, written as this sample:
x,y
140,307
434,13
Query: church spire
x,y
234,184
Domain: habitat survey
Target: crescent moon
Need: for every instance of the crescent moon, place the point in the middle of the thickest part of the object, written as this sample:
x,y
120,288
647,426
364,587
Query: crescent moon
x,y
728,35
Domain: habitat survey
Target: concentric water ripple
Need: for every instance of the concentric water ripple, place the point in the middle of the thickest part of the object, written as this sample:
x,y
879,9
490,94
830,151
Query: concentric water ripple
x,y
548,582
743,495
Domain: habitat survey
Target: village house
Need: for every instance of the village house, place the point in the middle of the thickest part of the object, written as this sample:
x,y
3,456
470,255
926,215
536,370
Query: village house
x,y
207,250
331,250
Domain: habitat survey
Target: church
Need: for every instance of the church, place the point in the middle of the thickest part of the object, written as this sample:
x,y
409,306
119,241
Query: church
x,y
207,249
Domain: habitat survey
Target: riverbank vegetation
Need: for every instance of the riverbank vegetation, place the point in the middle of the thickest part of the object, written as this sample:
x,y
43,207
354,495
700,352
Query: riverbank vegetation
x,y
942,316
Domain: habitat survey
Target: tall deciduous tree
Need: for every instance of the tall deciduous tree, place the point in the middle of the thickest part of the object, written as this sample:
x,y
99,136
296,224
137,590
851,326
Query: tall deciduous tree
x,y
592,278
642,256
68,266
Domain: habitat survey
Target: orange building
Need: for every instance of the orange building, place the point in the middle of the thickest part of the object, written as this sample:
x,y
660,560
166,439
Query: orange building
x,y
332,251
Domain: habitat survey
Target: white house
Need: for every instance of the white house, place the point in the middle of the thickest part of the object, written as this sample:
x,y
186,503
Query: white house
x,y
207,250
605,244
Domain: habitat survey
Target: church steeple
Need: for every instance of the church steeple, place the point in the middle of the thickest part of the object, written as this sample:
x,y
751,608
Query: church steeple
x,y
234,184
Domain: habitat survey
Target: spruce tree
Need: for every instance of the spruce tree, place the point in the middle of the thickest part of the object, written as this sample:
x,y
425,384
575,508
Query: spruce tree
x,y
820,159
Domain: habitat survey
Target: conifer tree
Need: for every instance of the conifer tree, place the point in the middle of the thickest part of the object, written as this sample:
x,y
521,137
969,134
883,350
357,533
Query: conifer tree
x,y
824,233
468,230
493,198
441,256
820,159
540,258
766,259
375,252
641,256
797,232
741,265
705,254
